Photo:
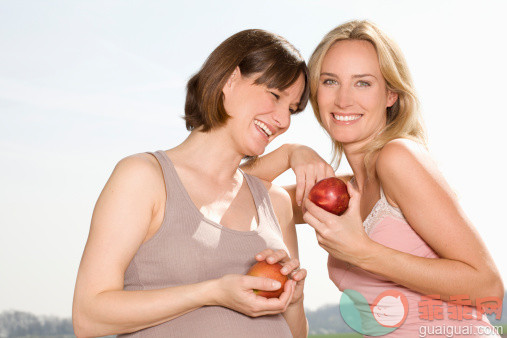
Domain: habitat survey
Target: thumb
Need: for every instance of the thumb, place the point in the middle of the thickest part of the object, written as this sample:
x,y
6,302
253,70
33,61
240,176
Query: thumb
x,y
266,284
355,197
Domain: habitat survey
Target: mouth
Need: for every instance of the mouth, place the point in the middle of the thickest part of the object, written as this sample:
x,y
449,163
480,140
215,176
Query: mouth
x,y
346,118
264,129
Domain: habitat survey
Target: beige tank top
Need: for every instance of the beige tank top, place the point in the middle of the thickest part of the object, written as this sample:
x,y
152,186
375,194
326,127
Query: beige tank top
x,y
189,248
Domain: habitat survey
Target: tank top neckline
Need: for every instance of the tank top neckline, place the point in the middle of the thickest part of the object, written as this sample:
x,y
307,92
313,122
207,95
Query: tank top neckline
x,y
192,205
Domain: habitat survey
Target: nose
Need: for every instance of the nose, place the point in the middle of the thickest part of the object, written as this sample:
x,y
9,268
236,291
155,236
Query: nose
x,y
282,118
343,97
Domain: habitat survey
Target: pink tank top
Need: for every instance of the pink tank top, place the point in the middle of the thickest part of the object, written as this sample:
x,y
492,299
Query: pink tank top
x,y
387,226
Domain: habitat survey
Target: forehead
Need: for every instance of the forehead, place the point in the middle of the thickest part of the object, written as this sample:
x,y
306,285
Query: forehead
x,y
295,91
351,57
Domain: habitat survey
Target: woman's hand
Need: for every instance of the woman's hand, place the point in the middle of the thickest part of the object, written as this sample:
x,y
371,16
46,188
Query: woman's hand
x,y
236,292
342,236
309,168
290,268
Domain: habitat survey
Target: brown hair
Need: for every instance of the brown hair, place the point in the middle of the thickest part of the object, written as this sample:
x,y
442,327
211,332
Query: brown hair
x,y
403,118
254,51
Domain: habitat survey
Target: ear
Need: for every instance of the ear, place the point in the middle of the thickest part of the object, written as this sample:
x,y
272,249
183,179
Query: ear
x,y
391,98
231,80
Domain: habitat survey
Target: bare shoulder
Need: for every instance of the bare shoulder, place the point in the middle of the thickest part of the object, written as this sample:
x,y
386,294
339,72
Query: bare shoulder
x,y
277,194
140,174
401,155
138,167
280,199
143,163
403,164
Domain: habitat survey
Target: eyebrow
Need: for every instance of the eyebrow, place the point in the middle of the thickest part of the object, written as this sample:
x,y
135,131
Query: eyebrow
x,y
353,76
362,75
284,93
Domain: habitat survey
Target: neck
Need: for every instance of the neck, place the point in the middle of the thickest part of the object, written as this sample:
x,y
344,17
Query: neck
x,y
355,157
210,153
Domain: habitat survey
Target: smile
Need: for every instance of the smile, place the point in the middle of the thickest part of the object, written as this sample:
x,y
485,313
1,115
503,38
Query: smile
x,y
263,127
346,118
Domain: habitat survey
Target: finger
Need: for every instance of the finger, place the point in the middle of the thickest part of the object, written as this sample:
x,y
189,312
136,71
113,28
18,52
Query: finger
x,y
330,171
287,293
261,283
313,222
325,171
355,198
300,186
319,213
299,275
311,179
292,286
277,256
290,266
263,254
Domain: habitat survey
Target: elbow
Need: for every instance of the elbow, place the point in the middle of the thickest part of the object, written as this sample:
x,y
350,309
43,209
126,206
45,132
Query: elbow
x,y
494,287
80,328
498,288
81,325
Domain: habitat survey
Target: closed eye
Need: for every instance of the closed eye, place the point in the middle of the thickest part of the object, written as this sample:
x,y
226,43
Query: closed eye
x,y
275,95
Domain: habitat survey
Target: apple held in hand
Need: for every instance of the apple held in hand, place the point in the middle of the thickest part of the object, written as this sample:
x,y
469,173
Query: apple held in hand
x,y
331,195
272,271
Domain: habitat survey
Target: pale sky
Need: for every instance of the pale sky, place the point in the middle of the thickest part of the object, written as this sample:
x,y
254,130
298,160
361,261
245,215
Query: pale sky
x,y
86,83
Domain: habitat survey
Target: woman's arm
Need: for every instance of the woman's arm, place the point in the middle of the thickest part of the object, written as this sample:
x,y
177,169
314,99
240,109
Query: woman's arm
x,y
411,181
307,165
295,314
410,178
121,221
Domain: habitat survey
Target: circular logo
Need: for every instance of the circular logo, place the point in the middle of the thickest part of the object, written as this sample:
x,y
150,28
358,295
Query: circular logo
x,y
384,315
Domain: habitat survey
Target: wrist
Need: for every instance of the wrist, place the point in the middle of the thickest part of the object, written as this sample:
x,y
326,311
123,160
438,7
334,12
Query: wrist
x,y
211,292
368,259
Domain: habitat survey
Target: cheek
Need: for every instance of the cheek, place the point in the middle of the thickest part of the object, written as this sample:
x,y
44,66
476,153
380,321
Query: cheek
x,y
324,96
374,101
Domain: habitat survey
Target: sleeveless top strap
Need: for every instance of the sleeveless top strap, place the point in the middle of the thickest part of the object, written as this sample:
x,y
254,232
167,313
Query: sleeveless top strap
x,y
265,210
167,170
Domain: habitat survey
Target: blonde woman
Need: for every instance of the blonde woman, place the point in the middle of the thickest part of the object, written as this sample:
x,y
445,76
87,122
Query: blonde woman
x,y
404,230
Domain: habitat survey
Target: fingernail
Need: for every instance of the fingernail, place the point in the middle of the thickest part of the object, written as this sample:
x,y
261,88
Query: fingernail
x,y
284,270
258,256
299,203
277,284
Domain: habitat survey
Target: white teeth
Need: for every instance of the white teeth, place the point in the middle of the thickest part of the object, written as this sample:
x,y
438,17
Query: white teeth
x,y
346,117
263,127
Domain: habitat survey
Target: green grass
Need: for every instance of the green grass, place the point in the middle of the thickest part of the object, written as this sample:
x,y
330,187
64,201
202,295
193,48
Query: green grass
x,y
336,335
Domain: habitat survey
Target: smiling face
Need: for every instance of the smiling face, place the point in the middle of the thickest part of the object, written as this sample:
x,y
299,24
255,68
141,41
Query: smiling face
x,y
258,114
352,94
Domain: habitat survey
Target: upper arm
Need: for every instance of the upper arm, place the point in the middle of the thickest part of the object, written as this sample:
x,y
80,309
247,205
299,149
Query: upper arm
x,y
282,206
120,222
411,179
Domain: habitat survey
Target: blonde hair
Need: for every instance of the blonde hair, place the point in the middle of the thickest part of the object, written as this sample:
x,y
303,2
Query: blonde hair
x,y
403,118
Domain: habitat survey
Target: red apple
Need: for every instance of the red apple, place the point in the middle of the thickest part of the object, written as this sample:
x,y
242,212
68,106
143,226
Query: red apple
x,y
331,195
272,271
